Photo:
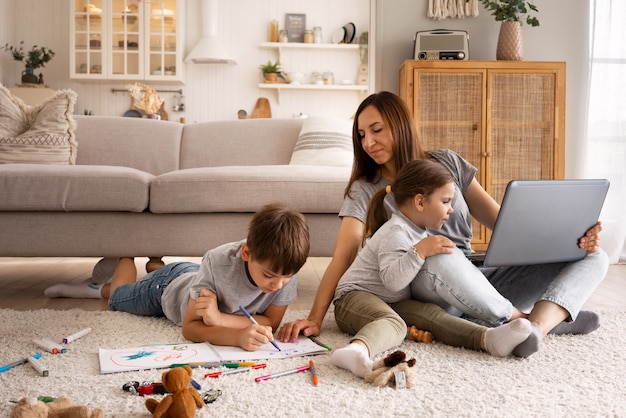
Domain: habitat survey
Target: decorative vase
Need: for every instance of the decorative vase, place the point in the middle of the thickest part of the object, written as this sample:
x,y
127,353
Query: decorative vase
x,y
28,76
510,42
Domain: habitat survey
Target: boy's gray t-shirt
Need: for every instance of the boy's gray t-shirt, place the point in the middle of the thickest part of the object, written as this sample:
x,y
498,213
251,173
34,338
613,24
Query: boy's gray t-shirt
x,y
223,272
458,227
387,264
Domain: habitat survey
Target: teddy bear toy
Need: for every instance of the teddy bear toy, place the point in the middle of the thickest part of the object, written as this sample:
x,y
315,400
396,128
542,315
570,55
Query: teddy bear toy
x,y
182,400
392,369
61,407
416,334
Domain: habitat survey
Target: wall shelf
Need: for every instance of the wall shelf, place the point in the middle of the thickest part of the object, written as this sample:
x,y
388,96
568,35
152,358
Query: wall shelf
x,y
362,89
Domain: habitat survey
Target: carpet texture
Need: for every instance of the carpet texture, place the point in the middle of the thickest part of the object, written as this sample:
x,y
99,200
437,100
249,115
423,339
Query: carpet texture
x,y
571,376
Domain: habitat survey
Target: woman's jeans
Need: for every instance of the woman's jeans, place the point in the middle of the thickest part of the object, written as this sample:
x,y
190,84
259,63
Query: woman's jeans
x,y
488,293
144,296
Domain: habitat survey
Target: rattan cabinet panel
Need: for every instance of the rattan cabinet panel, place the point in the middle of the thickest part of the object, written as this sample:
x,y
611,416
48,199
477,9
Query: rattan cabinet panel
x,y
507,118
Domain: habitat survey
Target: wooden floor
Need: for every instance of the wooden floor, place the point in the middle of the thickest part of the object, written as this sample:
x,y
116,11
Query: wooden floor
x,y
23,280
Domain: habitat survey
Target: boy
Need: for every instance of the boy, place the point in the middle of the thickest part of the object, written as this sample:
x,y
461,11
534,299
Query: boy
x,y
257,273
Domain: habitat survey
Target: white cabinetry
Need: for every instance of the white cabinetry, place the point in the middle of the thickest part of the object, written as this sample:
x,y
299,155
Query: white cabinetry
x,y
126,40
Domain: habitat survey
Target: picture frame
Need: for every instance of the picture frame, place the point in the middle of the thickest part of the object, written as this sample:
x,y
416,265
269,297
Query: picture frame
x,y
295,24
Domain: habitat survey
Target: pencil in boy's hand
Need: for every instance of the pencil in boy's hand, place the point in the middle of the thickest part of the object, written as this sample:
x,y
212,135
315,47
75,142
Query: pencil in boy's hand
x,y
247,314
314,376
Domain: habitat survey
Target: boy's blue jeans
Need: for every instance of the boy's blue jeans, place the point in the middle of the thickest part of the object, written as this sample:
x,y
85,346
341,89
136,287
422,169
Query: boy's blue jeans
x,y
144,296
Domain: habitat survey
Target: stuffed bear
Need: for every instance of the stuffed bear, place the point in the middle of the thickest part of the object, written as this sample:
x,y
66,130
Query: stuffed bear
x,y
182,400
61,407
384,371
416,334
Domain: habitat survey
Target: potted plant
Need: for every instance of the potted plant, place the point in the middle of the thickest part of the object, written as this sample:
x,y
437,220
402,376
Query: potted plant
x,y
271,71
512,14
37,57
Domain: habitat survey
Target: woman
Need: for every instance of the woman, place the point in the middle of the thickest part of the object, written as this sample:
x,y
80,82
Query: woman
x,y
384,139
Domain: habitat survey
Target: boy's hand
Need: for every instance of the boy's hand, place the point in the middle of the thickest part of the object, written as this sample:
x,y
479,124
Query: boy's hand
x,y
255,336
206,308
434,244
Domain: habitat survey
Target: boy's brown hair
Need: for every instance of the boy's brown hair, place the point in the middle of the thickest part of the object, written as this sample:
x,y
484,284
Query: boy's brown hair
x,y
280,236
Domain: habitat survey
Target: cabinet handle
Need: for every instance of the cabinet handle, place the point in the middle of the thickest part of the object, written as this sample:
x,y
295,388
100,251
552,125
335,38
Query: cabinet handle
x,y
486,154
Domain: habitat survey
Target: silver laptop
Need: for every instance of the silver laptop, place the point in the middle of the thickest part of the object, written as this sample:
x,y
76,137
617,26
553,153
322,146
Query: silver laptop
x,y
541,221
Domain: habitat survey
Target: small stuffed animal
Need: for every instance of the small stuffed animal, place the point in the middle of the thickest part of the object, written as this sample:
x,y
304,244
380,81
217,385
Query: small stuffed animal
x,y
384,371
416,334
182,400
61,407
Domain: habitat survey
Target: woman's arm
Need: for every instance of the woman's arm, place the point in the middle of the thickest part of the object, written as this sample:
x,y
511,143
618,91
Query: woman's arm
x,y
346,248
481,205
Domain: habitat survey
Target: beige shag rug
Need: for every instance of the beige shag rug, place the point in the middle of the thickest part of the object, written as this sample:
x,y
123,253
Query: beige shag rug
x,y
571,376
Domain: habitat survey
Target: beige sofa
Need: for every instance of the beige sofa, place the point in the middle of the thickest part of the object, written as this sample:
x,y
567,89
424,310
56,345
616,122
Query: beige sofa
x,y
154,188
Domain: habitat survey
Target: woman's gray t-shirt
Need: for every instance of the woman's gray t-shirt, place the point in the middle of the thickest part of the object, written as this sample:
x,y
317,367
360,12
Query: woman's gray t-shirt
x,y
458,227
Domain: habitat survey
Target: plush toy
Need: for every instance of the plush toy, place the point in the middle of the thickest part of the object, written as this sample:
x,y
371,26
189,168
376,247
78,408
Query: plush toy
x,y
61,407
182,400
416,334
392,369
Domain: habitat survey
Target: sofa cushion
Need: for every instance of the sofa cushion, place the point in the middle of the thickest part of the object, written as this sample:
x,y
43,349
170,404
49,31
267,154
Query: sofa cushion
x,y
37,187
245,142
324,141
148,145
42,134
310,189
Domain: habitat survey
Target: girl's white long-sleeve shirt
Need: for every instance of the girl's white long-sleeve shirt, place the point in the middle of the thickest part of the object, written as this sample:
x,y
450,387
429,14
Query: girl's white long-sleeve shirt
x,y
387,263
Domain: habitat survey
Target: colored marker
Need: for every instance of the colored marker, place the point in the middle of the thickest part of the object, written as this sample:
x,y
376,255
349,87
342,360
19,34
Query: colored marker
x,y
321,344
18,363
247,314
38,366
196,364
195,384
239,364
284,373
49,346
76,335
314,376
233,371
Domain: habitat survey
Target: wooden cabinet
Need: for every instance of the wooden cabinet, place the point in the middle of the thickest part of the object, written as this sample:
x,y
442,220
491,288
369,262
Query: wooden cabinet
x,y
126,40
507,118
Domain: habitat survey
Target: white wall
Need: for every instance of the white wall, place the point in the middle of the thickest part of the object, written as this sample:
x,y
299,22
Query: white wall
x,y
218,92
212,92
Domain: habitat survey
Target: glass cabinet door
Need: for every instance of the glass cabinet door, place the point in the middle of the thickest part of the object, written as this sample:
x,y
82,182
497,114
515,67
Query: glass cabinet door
x,y
126,48
162,38
87,58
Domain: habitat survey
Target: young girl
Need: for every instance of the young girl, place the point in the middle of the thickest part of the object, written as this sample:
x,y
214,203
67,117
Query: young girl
x,y
394,251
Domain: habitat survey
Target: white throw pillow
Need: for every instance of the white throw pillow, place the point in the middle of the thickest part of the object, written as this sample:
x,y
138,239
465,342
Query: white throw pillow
x,y
324,141
42,134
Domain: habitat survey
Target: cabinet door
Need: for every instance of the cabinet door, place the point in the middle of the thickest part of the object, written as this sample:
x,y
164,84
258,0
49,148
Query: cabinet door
x,y
125,39
88,19
522,136
448,108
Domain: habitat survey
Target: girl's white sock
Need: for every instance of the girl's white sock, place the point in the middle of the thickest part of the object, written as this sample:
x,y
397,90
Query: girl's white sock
x,y
353,357
501,341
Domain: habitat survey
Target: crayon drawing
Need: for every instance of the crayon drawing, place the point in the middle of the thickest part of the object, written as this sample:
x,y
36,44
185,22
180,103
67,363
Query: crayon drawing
x,y
163,356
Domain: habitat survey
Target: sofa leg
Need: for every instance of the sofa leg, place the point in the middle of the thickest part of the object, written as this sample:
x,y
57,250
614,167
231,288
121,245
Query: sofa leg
x,y
154,263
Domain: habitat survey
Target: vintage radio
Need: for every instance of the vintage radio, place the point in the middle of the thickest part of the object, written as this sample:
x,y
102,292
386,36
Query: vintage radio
x,y
441,44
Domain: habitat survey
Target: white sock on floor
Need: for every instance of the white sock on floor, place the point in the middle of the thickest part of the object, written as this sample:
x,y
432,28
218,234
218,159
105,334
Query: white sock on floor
x,y
353,357
501,341
84,290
